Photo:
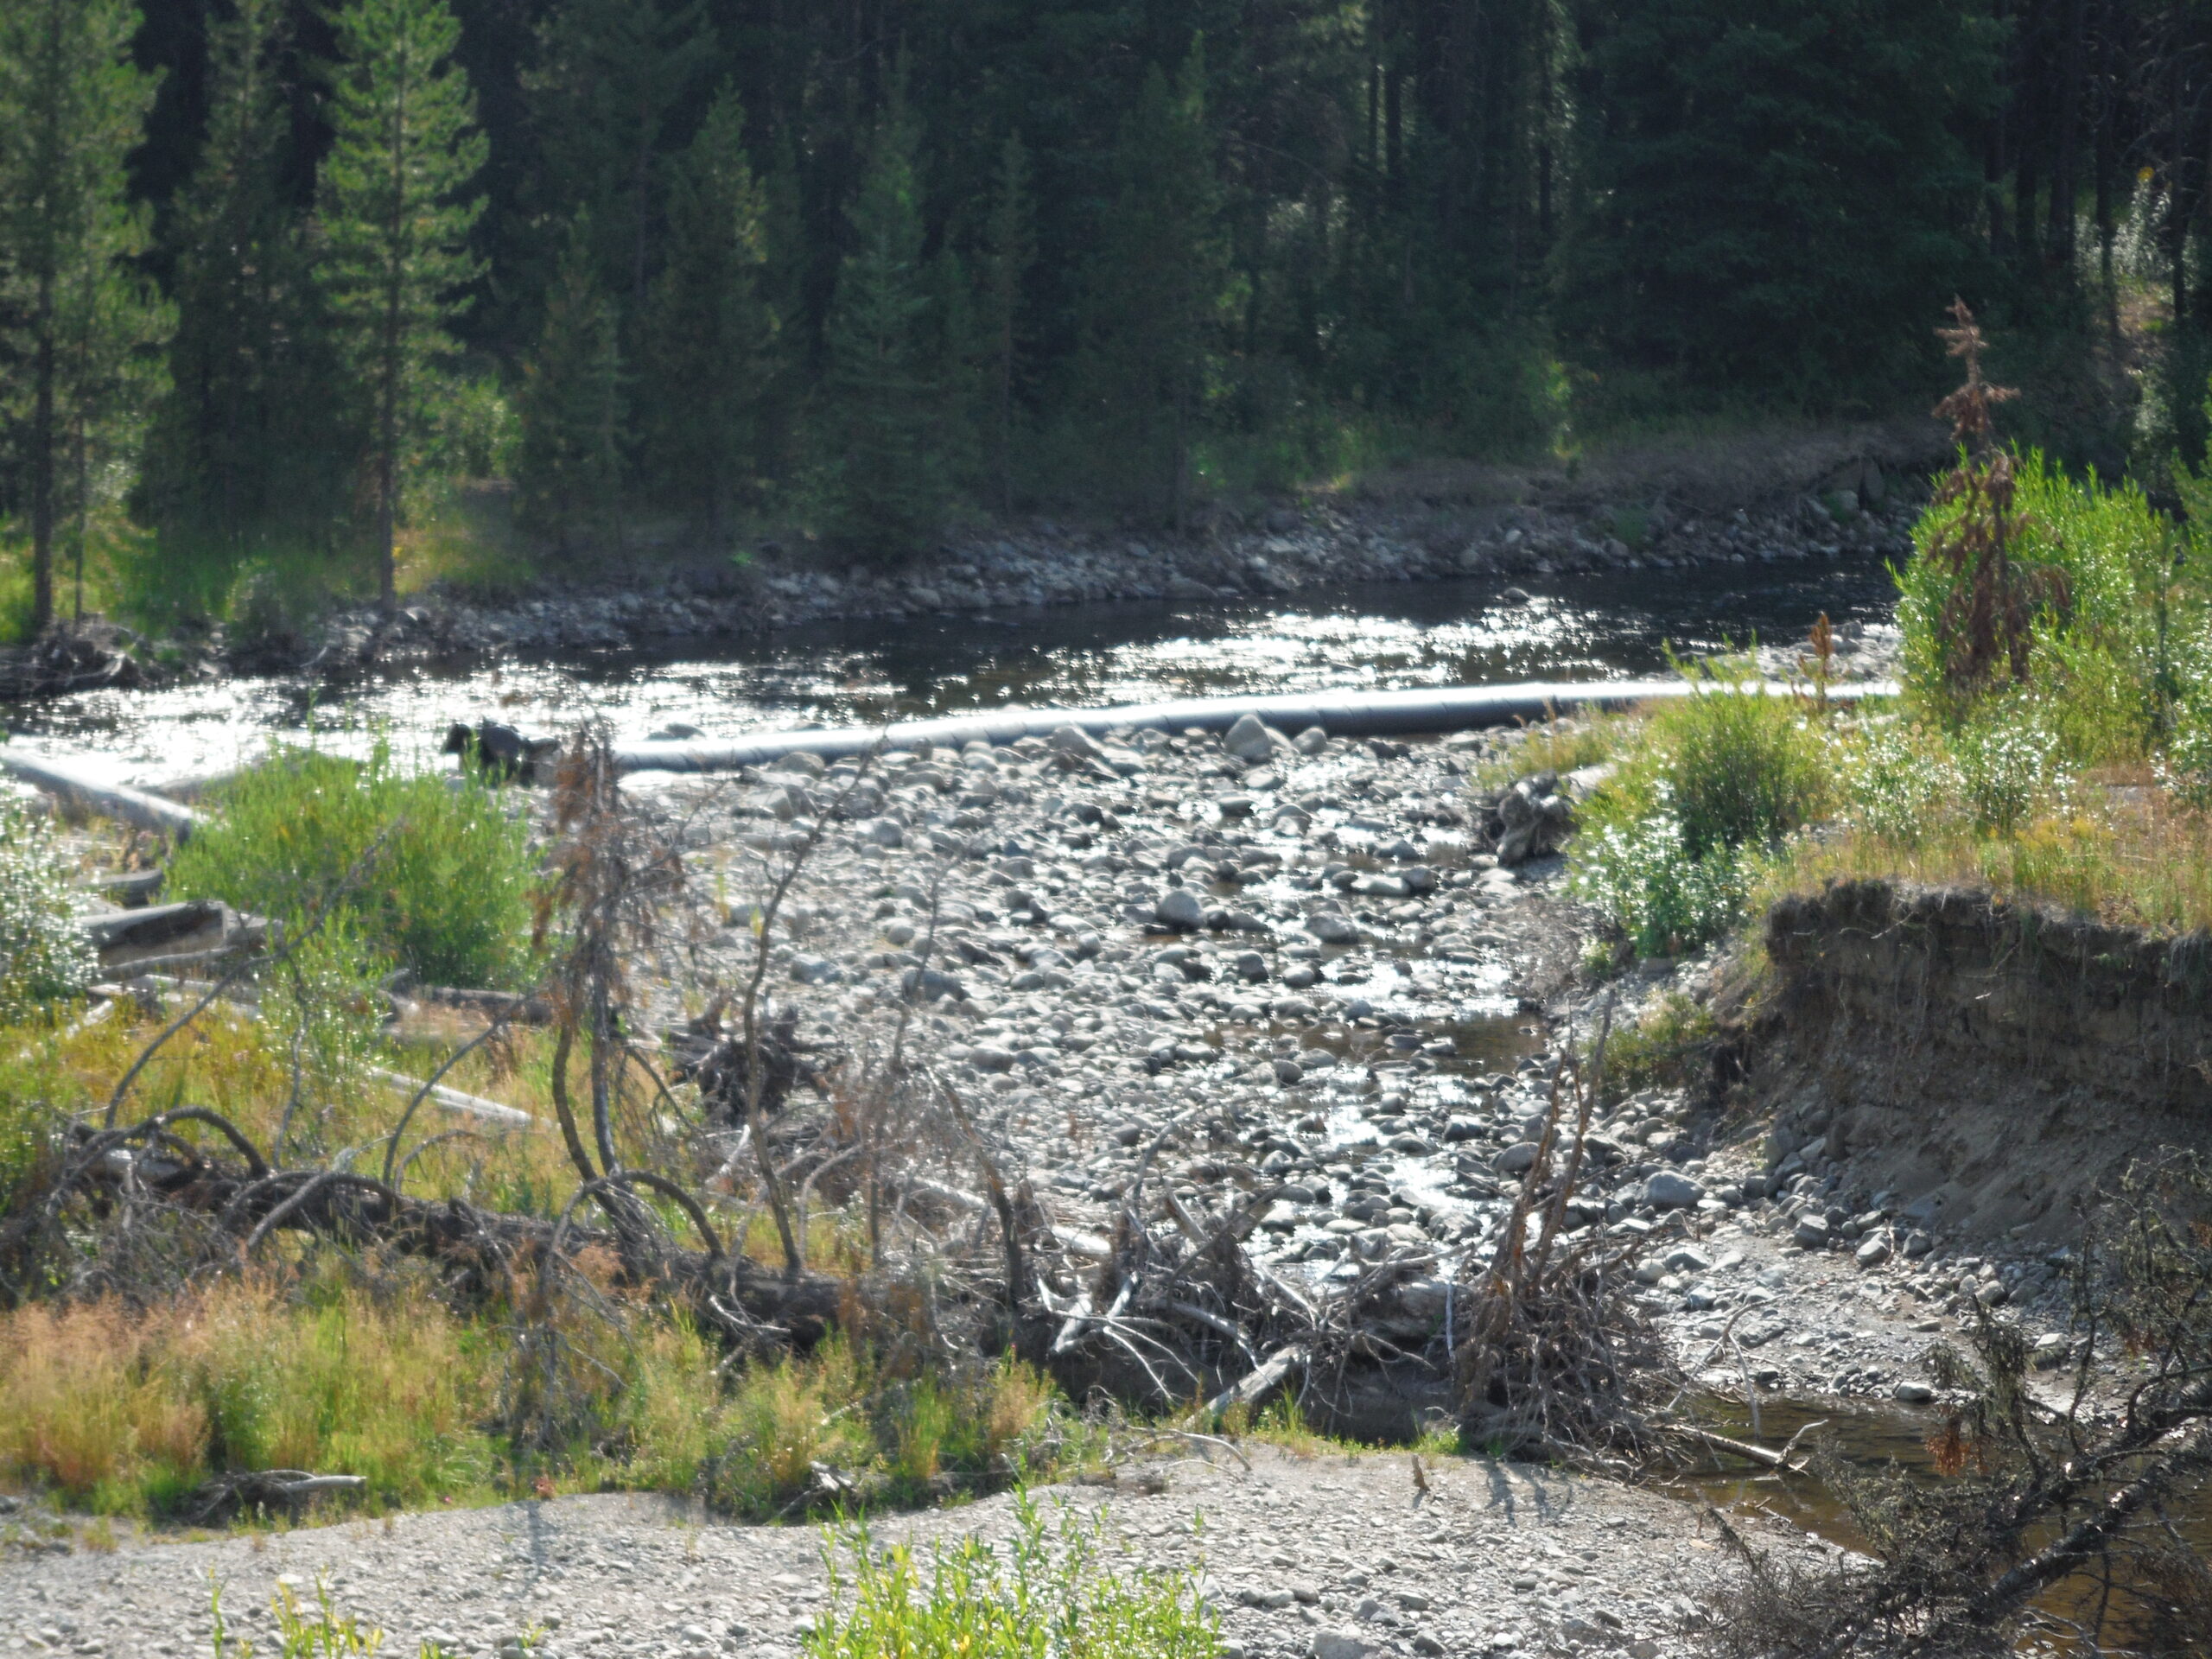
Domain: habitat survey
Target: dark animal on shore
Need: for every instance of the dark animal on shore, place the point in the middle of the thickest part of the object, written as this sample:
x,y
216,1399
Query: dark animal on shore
x,y
502,753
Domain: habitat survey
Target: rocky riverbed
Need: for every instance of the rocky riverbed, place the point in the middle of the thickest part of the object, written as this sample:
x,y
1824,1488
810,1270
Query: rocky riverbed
x,y
1325,1555
1299,959
1280,958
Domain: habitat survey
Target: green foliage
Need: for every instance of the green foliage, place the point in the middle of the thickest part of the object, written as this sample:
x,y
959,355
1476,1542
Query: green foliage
x,y
1046,1592
609,76
44,957
395,230
1714,779
249,451
1663,1049
569,471
79,322
1154,297
447,894
910,1438
713,330
1644,877
884,481
1775,196
1010,253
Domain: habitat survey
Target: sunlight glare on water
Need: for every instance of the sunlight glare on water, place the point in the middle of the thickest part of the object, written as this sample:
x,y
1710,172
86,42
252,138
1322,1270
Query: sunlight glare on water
x,y
1370,636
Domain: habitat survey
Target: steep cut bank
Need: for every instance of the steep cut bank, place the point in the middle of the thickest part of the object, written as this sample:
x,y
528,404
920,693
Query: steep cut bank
x,y
1990,1064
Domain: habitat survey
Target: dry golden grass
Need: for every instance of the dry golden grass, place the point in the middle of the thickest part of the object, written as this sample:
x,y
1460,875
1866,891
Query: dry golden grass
x,y
2129,855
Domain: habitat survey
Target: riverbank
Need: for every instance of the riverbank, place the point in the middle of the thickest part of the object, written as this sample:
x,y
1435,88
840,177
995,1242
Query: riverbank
x,y
1792,499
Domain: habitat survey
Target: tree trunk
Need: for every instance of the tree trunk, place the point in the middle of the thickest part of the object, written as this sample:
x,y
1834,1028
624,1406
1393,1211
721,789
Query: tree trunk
x,y
2060,240
44,371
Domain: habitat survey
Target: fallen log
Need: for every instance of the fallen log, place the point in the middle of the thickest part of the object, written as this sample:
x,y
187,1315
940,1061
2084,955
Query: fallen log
x,y
71,785
453,1100
480,1251
1439,708
1257,1386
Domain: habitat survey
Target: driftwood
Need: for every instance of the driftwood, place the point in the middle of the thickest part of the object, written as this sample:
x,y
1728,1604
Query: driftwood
x,y
286,1489
74,787
243,1201
453,1100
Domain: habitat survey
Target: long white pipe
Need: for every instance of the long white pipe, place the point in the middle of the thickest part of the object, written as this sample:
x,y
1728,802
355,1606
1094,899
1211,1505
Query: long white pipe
x,y
1442,709
133,806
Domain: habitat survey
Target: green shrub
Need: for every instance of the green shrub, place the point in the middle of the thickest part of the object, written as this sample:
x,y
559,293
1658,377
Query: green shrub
x,y
1712,780
1899,781
1662,1049
1743,769
447,895
1646,880
1037,1596
44,957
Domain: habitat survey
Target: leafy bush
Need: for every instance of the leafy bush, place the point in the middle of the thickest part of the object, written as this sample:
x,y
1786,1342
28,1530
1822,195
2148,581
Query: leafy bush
x,y
1662,1049
1040,1596
447,894
44,957
1743,769
1645,879
1899,781
1713,778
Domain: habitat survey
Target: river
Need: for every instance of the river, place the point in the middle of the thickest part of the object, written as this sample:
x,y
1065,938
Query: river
x,y
1363,636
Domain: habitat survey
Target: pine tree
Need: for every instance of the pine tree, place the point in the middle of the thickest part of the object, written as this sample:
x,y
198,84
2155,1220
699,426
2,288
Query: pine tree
x,y
884,473
1154,294
1776,197
713,330
569,474
612,71
80,325
242,453
396,233
1010,257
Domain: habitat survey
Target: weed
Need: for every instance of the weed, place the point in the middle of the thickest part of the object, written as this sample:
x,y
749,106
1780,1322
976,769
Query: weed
x,y
1663,1049
448,896
1648,882
44,958
1560,744
1045,1592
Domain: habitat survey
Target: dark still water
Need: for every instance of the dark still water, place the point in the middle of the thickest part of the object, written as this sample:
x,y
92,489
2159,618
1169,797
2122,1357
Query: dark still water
x,y
1378,635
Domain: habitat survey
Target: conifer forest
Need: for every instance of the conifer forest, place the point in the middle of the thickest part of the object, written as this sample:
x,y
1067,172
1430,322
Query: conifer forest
x,y
275,275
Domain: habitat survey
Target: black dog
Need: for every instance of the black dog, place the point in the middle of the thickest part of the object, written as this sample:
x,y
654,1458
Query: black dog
x,y
502,754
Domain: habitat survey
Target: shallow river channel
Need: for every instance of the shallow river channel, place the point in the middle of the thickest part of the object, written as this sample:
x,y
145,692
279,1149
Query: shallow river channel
x,y
1378,636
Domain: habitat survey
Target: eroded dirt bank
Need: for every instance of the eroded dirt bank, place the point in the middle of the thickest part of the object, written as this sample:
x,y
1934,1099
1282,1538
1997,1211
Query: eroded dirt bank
x,y
1988,1064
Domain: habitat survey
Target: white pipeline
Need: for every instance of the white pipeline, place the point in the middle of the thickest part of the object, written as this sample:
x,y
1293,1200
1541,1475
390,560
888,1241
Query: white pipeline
x,y
1343,713
75,788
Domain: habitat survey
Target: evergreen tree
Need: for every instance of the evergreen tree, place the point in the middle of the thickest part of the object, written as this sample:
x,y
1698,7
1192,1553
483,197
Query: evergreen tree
x,y
242,453
1155,292
713,330
1776,197
885,471
1011,254
612,71
568,476
396,232
80,325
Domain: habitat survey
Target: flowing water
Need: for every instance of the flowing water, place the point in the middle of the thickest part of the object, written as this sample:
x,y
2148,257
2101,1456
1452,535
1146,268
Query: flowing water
x,y
1366,635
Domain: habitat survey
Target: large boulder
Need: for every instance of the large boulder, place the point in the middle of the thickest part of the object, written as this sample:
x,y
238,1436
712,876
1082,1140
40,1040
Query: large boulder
x,y
1534,820
1250,740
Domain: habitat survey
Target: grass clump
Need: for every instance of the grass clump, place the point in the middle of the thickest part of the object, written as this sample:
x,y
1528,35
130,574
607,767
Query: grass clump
x,y
44,957
124,1411
902,1439
1664,1049
1048,1591
445,895
1711,782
